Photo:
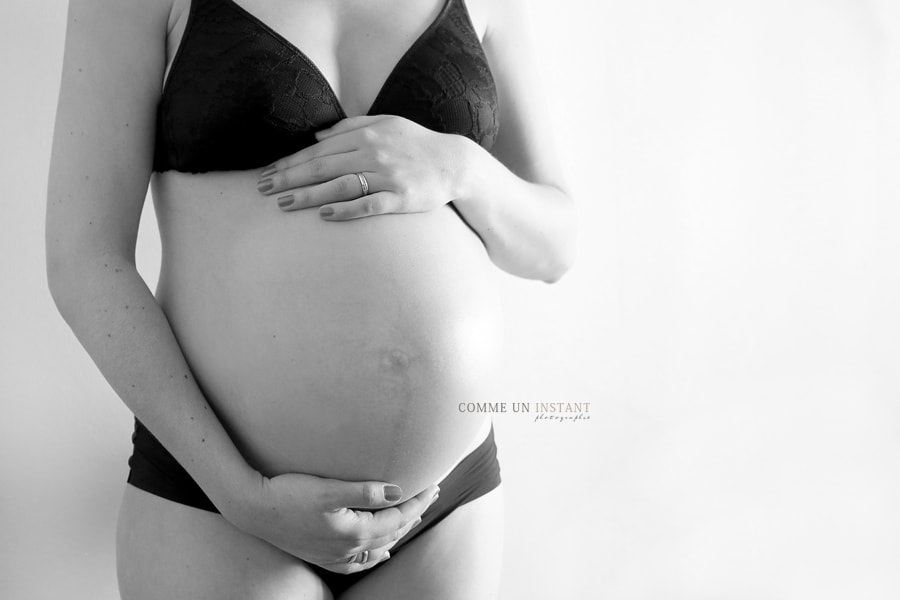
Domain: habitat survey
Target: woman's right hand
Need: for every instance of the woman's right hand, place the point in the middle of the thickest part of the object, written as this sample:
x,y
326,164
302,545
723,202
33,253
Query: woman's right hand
x,y
328,522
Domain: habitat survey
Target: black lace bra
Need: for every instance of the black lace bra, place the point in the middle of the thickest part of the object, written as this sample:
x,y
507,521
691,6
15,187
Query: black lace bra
x,y
240,96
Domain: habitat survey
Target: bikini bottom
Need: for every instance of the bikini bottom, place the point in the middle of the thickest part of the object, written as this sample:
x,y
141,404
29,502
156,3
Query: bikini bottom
x,y
156,471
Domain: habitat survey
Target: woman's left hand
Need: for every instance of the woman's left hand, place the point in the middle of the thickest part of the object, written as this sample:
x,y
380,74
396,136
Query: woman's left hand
x,y
407,167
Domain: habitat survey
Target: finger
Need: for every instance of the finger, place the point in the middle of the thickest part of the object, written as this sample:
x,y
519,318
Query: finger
x,y
375,555
351,564
379,203
390,540
360,494
345,187
384,523
334,145
315,170
349,124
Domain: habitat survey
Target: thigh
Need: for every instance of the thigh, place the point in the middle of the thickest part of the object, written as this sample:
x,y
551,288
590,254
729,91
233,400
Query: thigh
x,y
168,551
458,559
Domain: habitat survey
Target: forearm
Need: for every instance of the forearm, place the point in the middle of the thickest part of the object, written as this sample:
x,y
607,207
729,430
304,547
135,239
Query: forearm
x,y
118,321
528,228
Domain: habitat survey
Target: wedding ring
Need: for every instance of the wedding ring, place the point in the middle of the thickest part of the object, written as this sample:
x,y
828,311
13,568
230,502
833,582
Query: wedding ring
x,y
365,187
359,557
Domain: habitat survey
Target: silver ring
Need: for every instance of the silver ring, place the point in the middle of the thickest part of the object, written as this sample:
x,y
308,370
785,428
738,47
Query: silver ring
x,y
365,187
359,557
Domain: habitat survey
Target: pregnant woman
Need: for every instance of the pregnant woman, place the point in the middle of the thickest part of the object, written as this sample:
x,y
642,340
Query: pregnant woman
x,y
335,182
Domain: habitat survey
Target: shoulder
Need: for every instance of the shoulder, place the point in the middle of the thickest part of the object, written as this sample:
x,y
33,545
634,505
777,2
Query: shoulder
x,y
114,8
100,15
500,17
178,12
508,33
480,12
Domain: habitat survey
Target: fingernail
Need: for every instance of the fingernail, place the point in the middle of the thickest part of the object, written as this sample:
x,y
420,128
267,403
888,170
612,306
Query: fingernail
x,y
387,555
416,524
392,492
286,200
265,185
434,499
327,211
269,170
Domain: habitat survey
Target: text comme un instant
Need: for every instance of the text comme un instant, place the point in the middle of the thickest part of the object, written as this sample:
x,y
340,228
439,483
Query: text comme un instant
x,y
525,407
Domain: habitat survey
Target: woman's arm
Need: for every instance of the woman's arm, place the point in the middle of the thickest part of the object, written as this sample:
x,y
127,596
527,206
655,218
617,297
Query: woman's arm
x,y
100,167
515,197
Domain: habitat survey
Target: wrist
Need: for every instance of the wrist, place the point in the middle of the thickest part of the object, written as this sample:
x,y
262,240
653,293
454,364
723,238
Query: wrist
x,y
468,159
238,501
475,186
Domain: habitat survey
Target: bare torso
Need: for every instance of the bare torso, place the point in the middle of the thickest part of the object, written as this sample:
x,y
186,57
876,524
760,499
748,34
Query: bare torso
x,y
335,349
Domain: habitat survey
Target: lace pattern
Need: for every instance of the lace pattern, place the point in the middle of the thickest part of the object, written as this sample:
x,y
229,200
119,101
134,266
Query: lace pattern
x,y
239,96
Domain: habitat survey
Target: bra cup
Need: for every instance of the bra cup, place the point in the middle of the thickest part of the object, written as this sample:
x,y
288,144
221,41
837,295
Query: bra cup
x,y
239,96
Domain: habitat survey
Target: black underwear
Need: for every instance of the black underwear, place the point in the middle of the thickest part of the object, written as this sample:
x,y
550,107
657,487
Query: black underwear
x,y
156,471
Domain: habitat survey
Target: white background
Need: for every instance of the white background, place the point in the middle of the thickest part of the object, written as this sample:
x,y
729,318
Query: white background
x,y
732,318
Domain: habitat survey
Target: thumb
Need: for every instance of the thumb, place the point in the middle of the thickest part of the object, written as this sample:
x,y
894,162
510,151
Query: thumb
x,y
362,494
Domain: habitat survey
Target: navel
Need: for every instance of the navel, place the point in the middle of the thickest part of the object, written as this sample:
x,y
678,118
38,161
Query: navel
x,y
395,360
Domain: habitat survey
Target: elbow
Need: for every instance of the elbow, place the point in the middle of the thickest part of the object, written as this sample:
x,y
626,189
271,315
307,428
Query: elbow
x,y
554,271
78,279
55,271
561,260
554,278
563,254
60,283
549,267
57,266
67,278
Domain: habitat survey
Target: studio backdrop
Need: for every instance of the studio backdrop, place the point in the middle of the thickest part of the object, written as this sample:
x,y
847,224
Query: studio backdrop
x,y
730,326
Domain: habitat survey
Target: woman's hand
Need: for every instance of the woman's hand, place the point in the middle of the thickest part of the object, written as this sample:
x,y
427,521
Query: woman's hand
x,y
407,167
329,522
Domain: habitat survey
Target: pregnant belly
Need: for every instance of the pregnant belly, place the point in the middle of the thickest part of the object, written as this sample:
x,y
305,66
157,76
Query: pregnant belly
x,y
337,349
